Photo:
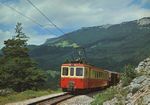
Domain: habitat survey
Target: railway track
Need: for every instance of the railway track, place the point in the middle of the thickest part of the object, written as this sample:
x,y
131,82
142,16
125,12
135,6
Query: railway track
x,y
57,100
53,100
81,99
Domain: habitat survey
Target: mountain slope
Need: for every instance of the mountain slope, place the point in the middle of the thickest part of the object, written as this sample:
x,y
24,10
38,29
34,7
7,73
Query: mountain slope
x,y
91,35
107,46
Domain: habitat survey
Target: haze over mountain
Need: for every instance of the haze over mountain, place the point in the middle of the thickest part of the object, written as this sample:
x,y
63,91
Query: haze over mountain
x,y
107,46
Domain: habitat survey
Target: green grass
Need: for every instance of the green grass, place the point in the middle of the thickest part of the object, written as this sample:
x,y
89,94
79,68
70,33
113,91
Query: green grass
x,y
109,94
14,97
106,95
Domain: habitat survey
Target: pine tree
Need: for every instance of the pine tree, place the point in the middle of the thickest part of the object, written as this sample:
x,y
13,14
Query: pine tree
x,y
17,70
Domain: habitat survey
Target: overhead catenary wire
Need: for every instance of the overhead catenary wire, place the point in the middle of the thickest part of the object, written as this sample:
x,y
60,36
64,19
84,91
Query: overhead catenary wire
x,y
46,17
29,18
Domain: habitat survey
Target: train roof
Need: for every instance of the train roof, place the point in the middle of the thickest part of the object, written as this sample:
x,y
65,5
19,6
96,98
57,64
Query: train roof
x,y
74,64
84,64
112,72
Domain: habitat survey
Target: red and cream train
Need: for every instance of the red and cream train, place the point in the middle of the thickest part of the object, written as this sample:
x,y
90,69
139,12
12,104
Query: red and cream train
x,y
79,76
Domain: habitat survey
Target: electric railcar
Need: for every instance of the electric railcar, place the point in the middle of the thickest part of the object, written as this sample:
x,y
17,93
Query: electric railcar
x,y
80,76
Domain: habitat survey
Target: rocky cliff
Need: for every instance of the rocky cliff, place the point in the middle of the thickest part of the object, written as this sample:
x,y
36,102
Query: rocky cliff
x,y
138,92
144,21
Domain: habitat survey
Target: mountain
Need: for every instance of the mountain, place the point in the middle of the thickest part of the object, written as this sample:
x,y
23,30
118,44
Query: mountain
x,y
89,35
50,57
107,46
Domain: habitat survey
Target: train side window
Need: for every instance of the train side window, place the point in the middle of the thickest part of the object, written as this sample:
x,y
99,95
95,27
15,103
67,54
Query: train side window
x,y
92,74
71,71
100,75
89,73
65,71
79,71
96,74
104,75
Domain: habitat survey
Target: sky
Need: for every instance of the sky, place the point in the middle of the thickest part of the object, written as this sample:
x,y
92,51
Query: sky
x,y
68,15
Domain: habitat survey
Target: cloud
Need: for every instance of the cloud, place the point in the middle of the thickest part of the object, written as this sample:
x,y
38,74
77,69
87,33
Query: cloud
x,y
68,15
73,13
4,35
39,39
34,39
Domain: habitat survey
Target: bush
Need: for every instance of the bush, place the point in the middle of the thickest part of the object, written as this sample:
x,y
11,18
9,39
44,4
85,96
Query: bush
x,y
106,95
128,74
109,94
125,80
5,92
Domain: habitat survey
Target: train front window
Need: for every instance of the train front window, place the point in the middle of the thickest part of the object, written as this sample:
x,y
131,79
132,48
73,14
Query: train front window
x,y
71,71
65,71
79,71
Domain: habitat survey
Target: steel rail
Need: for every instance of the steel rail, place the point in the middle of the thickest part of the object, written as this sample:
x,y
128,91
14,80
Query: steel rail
x,y
53,100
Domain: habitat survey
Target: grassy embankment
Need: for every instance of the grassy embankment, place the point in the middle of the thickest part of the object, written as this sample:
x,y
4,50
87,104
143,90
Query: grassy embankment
x,y
109,94
14,96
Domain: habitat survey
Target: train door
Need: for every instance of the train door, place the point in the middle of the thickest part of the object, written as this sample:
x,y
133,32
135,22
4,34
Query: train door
x,y
86,76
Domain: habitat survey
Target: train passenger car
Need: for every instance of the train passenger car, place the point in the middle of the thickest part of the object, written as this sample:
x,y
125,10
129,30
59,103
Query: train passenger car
x,y
114,78
79,76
